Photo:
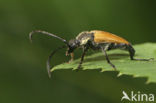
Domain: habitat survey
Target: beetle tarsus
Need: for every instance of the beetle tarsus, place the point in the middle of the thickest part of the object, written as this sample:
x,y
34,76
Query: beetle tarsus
x,y
132,53
111,63
143,59
79,67
113,66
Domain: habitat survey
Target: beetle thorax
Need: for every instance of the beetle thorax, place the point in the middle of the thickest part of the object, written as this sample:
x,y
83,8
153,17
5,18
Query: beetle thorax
x,y
84,37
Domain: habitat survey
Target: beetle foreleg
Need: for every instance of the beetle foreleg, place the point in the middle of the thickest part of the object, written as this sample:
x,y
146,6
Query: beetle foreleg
x,y
72,58
108,61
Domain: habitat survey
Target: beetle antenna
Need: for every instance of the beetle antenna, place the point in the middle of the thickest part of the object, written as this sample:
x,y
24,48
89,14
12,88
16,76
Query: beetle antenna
x,y
49,58
46,33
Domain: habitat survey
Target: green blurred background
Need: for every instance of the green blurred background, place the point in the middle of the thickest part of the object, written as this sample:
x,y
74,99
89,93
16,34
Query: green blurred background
x,y
23,77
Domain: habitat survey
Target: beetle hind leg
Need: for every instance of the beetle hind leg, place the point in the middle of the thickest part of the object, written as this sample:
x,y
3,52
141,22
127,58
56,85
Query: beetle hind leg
x,y
108,61
132,53
142,59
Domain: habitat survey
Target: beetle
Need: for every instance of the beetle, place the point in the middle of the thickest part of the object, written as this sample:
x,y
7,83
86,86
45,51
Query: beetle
x,y
95,40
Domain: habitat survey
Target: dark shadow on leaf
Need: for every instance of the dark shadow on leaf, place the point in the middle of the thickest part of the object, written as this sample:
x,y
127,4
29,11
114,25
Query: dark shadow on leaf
x,y
111,57
101,57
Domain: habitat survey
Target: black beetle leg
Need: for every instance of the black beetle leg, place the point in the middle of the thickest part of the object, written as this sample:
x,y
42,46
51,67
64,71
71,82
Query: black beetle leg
x,y
82,57
108,61
132,58
132,53
142,59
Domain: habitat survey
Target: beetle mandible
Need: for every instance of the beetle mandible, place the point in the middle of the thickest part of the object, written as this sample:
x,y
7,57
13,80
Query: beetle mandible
x,y
96,40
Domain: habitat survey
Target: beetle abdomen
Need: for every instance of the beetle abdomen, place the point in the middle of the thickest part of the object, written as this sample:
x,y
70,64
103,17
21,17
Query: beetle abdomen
x,y
122,46
106,37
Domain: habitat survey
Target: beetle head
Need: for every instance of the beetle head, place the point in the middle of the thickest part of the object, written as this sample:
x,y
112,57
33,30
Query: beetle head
x,y
72,45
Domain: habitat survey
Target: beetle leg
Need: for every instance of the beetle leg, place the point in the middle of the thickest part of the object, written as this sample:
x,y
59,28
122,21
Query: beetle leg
x,y
82,57
132,53
72,57
132,57
108,61
143,59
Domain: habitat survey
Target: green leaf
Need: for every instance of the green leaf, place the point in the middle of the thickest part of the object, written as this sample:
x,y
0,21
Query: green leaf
x,y
122,62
